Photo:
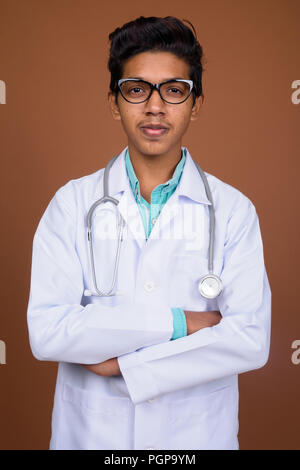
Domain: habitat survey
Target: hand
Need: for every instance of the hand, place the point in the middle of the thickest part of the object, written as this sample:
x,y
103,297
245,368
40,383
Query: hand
x,y
106,368
197,320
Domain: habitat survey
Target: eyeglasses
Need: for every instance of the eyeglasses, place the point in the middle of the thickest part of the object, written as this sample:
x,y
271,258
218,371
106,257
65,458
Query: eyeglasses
x,y
137,91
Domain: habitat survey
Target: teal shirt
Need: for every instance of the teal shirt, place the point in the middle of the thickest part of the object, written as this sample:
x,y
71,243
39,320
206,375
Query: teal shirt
x,y
149,214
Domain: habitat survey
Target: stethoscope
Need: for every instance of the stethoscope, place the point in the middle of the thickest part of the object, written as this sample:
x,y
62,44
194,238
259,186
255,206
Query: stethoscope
x,y
209,286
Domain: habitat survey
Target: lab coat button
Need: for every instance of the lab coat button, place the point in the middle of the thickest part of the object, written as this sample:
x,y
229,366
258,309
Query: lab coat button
x,y
151,400
150,448
149,286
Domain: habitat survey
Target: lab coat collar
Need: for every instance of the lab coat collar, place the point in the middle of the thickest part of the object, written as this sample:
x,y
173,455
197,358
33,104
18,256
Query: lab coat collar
x,y
191,184
118,180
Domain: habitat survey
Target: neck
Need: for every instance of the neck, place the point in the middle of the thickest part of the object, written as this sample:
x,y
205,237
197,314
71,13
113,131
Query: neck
x,y
153,170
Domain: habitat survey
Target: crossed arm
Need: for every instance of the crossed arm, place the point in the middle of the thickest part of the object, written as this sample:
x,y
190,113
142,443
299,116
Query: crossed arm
x,y
136,335
195,321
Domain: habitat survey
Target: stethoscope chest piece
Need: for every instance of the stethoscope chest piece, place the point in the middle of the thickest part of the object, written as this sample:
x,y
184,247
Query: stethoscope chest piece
x,y
210,286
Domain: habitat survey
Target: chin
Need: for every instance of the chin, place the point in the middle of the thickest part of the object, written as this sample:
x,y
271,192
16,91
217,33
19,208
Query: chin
x,y
153,148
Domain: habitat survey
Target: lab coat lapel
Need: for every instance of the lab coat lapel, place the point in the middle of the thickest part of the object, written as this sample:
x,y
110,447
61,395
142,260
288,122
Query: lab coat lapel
x,y
129,210
119,188
163,229
190,190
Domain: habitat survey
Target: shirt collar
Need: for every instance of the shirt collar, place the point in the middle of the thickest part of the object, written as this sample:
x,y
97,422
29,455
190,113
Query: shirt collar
x,y
167,186
190,184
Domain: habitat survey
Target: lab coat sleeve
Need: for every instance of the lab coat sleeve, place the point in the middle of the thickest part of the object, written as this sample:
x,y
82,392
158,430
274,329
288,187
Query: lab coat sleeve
x,y
60,328
239,343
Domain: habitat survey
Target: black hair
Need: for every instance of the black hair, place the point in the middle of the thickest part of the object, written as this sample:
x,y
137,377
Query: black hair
x,y
167,34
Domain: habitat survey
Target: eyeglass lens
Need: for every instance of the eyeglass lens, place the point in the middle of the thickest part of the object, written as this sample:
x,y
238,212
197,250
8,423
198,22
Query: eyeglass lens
x,y
136,91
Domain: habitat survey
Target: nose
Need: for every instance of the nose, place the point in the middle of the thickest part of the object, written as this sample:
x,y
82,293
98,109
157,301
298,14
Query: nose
x,y
155,104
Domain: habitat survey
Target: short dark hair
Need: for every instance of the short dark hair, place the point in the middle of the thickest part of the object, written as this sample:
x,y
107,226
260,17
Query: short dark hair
x,y
167,34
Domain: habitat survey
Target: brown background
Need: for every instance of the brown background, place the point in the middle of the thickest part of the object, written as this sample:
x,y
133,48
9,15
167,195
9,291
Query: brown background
x,y
56,126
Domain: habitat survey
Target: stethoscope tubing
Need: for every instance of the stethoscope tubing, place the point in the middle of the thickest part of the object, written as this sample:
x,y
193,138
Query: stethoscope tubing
x,y
204,281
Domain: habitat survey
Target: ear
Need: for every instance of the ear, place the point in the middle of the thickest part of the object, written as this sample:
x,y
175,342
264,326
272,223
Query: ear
x,y
114,108
197,106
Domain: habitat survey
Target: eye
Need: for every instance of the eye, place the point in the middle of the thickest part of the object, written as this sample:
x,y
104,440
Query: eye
x,y
136,90
175,88
176,91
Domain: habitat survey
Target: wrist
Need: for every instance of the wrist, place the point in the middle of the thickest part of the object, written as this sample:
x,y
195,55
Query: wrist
x,y
188,320
179,323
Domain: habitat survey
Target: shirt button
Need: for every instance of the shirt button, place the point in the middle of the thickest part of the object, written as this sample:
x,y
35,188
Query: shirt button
x,y
153,220
149,286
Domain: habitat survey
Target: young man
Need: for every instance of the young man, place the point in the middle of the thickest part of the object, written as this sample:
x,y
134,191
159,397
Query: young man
x,y
154,366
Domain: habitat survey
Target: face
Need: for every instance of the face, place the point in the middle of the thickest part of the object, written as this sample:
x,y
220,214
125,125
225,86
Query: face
x,y
155,67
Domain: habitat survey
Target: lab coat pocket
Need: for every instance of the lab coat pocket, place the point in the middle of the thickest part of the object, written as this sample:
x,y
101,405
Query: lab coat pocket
x,y
185,271
91,421
206,422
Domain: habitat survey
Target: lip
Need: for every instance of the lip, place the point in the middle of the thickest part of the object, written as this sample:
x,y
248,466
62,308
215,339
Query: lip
x,y
154,132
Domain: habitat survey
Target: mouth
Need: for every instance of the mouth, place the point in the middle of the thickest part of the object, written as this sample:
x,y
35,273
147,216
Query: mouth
x,y
154,131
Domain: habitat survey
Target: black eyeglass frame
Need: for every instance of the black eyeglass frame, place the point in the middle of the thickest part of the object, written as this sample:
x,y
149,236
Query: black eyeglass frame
x,y
155,86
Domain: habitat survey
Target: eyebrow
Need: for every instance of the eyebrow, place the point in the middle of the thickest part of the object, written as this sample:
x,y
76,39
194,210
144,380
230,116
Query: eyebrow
x,y
163,80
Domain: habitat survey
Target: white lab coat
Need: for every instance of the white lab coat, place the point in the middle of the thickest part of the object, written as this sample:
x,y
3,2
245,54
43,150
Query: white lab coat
x,y
179,394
